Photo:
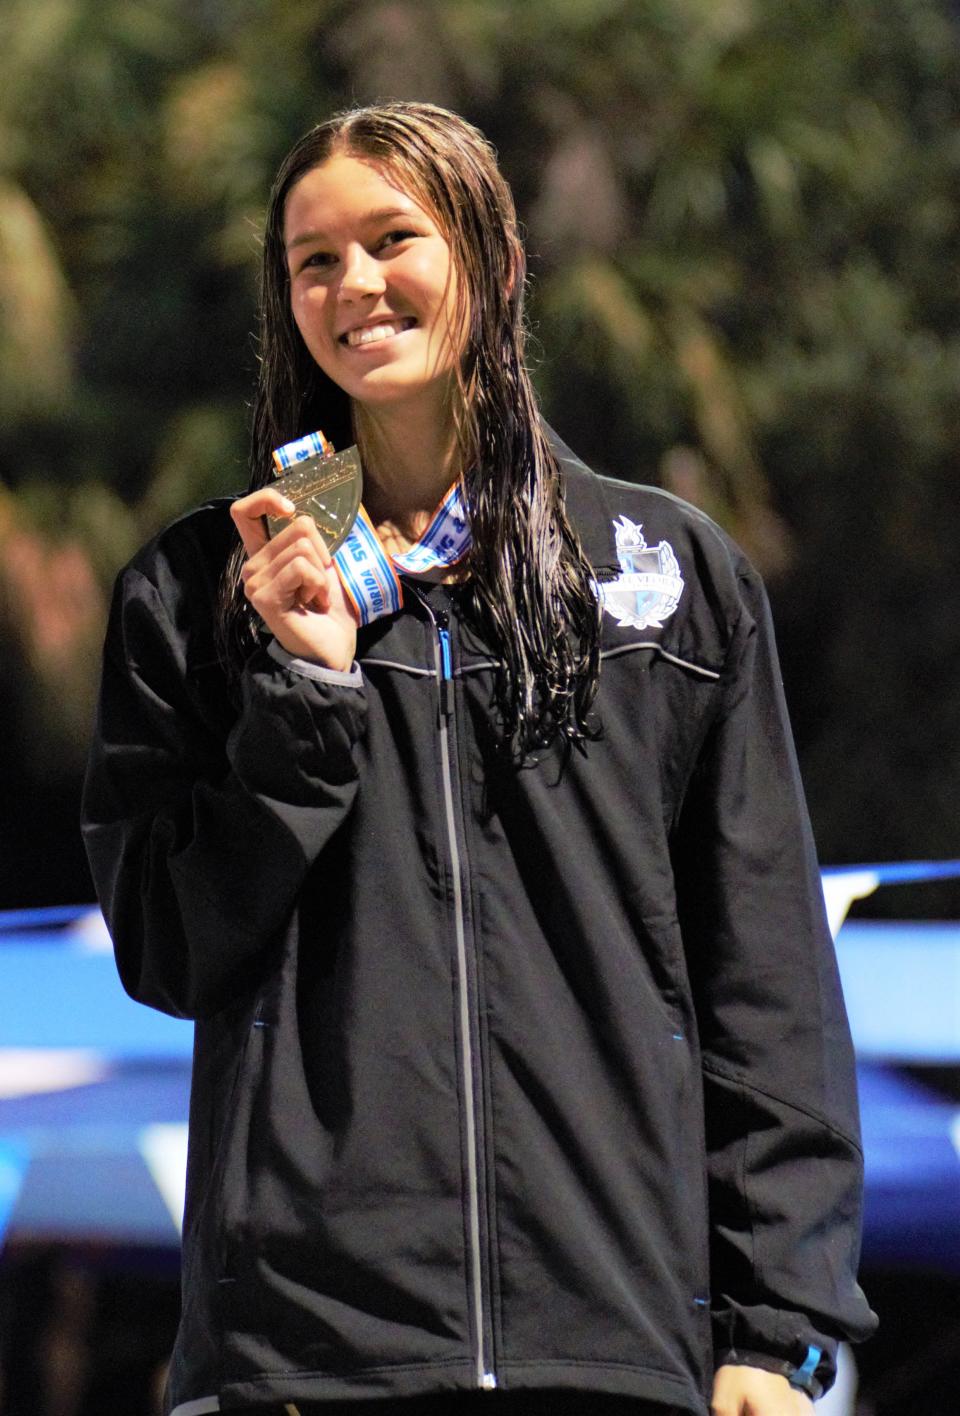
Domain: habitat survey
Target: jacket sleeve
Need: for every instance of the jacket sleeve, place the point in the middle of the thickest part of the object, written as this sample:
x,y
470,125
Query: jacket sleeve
x,y
199,839
782,1127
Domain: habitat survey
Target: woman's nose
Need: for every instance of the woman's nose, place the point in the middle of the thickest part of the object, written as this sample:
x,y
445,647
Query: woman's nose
x,y
361,275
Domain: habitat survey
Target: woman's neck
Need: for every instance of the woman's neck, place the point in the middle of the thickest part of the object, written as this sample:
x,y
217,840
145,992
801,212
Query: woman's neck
x,y
408,464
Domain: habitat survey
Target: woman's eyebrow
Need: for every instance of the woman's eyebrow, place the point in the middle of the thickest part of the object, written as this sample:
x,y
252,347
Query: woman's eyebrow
x,y
369,218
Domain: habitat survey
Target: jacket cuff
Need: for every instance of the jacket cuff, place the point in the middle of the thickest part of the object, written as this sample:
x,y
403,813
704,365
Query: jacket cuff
x,y
777,1341
308,668
809,1376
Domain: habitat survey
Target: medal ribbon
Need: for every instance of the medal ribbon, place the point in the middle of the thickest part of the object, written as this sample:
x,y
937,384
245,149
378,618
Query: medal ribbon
x,y
313,445
368,574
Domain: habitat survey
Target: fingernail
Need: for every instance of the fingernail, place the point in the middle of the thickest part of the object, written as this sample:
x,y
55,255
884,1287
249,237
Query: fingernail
x,y
288,505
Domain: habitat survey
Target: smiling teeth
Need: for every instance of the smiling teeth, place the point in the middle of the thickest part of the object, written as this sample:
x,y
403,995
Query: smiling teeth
x,y
372,334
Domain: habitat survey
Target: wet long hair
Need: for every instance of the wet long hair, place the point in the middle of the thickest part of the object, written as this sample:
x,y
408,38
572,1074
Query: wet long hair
x,y
529,587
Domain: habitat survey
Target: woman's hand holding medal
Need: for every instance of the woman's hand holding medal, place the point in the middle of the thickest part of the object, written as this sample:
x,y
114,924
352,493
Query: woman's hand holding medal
x,y
291,581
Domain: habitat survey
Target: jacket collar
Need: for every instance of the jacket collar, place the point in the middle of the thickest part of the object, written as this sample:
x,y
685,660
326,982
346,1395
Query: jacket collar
x,y
587,506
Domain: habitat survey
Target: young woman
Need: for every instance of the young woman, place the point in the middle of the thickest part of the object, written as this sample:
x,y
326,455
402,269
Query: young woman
x,y
522,1079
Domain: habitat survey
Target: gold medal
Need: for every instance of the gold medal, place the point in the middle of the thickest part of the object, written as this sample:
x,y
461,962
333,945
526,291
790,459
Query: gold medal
x,y
326,487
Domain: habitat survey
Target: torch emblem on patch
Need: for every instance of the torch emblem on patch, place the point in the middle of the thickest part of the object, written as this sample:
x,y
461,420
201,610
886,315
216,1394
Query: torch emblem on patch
x,y
649,586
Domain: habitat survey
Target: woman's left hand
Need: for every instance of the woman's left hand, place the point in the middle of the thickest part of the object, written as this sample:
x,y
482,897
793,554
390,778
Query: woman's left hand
x,y
751,1391
292,583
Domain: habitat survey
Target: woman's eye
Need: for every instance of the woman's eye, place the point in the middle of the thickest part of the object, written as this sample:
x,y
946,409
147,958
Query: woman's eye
x,y
393,238
318,260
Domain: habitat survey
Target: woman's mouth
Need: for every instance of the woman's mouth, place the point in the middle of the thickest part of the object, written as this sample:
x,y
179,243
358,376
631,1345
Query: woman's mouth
x,y
376,333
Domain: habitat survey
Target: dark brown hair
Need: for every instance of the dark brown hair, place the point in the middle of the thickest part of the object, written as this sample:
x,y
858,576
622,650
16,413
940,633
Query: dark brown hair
x,y
530,586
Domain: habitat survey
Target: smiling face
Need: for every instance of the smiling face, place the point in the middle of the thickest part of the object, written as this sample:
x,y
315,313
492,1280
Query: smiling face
x,y
373,287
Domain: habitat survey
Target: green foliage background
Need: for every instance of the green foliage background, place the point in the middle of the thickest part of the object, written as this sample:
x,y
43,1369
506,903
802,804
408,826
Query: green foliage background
x,y
743,229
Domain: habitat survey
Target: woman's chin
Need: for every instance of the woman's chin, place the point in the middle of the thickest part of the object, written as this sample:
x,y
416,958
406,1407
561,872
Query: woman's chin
x,y
384,387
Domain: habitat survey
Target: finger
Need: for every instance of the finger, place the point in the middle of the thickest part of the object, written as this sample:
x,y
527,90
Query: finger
x,y
301,536
260,573
299,583
304,585
299,539
248,513
305,526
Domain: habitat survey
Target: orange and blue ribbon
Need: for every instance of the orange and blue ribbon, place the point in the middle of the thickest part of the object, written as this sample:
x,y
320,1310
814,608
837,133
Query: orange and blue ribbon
x,y
371,577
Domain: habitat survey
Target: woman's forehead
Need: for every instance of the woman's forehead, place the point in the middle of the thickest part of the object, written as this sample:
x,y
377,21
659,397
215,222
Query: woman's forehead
x,y
346,191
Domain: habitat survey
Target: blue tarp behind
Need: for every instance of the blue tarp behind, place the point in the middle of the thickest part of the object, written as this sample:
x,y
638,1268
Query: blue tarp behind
x,y
94,1087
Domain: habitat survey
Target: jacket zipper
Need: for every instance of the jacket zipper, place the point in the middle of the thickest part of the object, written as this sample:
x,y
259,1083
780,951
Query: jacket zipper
x,y
486,1379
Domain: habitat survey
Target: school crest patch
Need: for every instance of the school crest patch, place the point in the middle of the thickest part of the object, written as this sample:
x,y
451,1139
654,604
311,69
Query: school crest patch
x,y
649,586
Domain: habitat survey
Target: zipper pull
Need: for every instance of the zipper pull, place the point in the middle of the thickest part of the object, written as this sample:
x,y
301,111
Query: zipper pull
x,y
446,665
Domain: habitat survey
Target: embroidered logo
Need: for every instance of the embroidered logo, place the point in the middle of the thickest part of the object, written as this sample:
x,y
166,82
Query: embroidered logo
x,y
649,586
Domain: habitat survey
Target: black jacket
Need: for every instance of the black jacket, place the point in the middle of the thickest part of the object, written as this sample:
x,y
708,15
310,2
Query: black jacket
x,y
501,1076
